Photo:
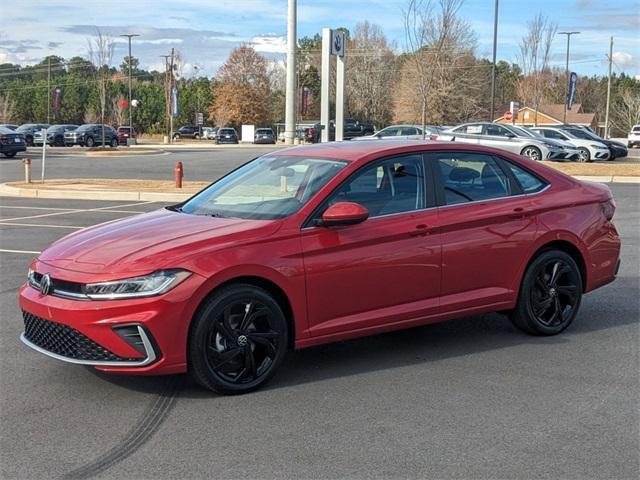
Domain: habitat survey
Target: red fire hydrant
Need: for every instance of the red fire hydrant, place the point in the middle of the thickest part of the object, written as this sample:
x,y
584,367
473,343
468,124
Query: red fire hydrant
x,y
178,173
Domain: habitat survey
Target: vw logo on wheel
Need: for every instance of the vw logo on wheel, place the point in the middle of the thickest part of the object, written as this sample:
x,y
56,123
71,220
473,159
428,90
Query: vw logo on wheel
x,y
45,284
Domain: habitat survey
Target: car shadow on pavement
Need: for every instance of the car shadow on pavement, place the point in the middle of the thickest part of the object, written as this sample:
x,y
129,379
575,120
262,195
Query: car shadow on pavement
x,y
419,345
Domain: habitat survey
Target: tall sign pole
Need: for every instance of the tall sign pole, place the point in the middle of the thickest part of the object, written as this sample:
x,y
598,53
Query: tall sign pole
x,y
291,90
566,71
606,118
129,36
324,84
493,66
338,40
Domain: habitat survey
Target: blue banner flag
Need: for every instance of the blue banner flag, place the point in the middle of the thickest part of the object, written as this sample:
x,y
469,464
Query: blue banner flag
x,y
175,110
571,93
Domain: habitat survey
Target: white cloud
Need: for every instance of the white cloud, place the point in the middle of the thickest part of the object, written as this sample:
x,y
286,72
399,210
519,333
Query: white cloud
x,y
270,44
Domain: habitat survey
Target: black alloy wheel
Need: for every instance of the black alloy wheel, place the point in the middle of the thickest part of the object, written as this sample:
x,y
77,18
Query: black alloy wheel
x,y
237,340
550,294
90,142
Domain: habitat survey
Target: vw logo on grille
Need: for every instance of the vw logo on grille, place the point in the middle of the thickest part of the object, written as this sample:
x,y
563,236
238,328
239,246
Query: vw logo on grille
x,y
45,284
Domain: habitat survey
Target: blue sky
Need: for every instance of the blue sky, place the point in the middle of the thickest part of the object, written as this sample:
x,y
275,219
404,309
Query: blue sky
x,y
206,30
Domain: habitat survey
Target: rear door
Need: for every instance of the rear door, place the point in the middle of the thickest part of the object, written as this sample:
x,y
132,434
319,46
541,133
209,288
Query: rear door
x,y
487,224
385,269
496,136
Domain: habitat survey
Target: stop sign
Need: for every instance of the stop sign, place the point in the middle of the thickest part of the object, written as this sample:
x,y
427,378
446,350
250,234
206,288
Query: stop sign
x,y
508,116
123,103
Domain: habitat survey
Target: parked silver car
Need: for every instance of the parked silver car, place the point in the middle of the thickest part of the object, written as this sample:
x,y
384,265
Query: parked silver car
x,y
588,150
504,137
401,132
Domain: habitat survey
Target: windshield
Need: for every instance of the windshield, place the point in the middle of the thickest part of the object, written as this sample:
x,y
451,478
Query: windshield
x,y
583,134
264,131
267,188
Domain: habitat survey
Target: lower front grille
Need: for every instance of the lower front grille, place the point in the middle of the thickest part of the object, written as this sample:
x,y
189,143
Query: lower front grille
x,y
66,341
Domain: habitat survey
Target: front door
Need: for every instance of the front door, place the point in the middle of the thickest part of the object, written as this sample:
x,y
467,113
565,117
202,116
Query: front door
x,y
384,270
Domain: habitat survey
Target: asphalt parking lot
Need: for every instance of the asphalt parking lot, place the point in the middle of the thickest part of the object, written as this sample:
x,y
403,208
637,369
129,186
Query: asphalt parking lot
x,y
471,398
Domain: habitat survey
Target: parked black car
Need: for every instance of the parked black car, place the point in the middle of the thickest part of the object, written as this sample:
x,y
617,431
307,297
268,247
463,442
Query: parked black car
x,y
187,131
90,135
55,135
264,135
11,142
28,130
352,128
617,149
226,135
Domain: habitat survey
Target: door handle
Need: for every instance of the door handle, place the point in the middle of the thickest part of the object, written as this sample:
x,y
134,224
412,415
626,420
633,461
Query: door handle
x,y
420,231
519,212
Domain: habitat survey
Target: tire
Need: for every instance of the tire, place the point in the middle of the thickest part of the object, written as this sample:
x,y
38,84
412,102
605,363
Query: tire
x,y
29,140
228,357
176,137
10,154
532,152
584,155
550,294
89,142
114,143
196,137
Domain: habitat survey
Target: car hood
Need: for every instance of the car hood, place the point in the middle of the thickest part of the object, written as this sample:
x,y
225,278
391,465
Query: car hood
x,y
151,241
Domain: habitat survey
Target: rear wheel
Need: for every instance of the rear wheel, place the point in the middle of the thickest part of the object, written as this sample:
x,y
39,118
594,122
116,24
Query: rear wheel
x,y
10,154
584,155
550,294
532,152
89,142
114,142
238,340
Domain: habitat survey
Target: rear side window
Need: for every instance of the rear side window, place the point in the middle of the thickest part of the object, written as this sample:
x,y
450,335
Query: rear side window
x,y
471,177
529,182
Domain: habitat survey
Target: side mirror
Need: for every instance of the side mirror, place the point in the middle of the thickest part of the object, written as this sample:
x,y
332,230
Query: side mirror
x,y
343,213
510,135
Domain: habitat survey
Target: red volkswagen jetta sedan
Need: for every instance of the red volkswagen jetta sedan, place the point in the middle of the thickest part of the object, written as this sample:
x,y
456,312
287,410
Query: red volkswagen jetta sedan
x,y
316,244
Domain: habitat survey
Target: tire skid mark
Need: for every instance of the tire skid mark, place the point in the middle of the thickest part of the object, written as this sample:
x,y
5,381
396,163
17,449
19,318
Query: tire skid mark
x,y
155,414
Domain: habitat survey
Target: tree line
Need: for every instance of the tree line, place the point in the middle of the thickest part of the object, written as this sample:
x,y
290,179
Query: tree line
x,y
437,78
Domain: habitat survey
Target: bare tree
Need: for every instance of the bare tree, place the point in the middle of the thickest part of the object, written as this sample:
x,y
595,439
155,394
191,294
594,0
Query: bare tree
x,y
371,70
118,112
626,110
439,65
100,49
7,109
435,37
535,51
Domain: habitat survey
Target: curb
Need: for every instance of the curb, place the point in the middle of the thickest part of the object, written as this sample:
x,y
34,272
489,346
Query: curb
x,y
9,191
125,153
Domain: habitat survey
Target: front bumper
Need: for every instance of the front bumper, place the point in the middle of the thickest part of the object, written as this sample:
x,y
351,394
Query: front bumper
x,y
66,329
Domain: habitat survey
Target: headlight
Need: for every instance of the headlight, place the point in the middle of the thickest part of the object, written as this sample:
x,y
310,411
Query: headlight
x,y
155,283
599,147
548,145
31,280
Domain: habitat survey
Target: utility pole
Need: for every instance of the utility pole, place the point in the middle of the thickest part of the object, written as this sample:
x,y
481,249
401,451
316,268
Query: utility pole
x,y
568,34
166,94
49,91
129,35
493,67
606,118
291,90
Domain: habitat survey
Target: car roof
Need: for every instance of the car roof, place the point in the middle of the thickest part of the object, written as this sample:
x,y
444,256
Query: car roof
x,y
364,151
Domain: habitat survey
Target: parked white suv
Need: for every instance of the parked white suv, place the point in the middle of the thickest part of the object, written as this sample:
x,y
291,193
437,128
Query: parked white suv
x,y
634,136
588,150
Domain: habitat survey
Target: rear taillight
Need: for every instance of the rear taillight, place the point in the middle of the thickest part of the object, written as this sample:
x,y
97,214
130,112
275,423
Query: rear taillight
x,y
4,138
433,137
608,208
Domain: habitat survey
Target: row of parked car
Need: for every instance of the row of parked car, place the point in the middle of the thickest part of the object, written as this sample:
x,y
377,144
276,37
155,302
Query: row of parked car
x,y
560,143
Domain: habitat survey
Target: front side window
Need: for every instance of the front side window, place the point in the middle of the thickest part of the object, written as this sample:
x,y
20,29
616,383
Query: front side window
x,y
471,177
389,132
267,188
409,131
497,131
392,186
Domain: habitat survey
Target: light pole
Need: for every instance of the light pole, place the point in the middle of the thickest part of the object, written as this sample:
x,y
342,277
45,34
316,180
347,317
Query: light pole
x,y
493,67
291,89
129,36
568,34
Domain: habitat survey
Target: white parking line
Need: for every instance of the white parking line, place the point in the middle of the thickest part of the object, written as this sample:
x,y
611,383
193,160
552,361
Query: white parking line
x,y
30,252
78,210
41,225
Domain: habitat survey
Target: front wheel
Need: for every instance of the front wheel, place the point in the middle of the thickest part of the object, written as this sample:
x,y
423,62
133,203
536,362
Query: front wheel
x,y
114,142
237,340
90,142
532,152
10,154
550,294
